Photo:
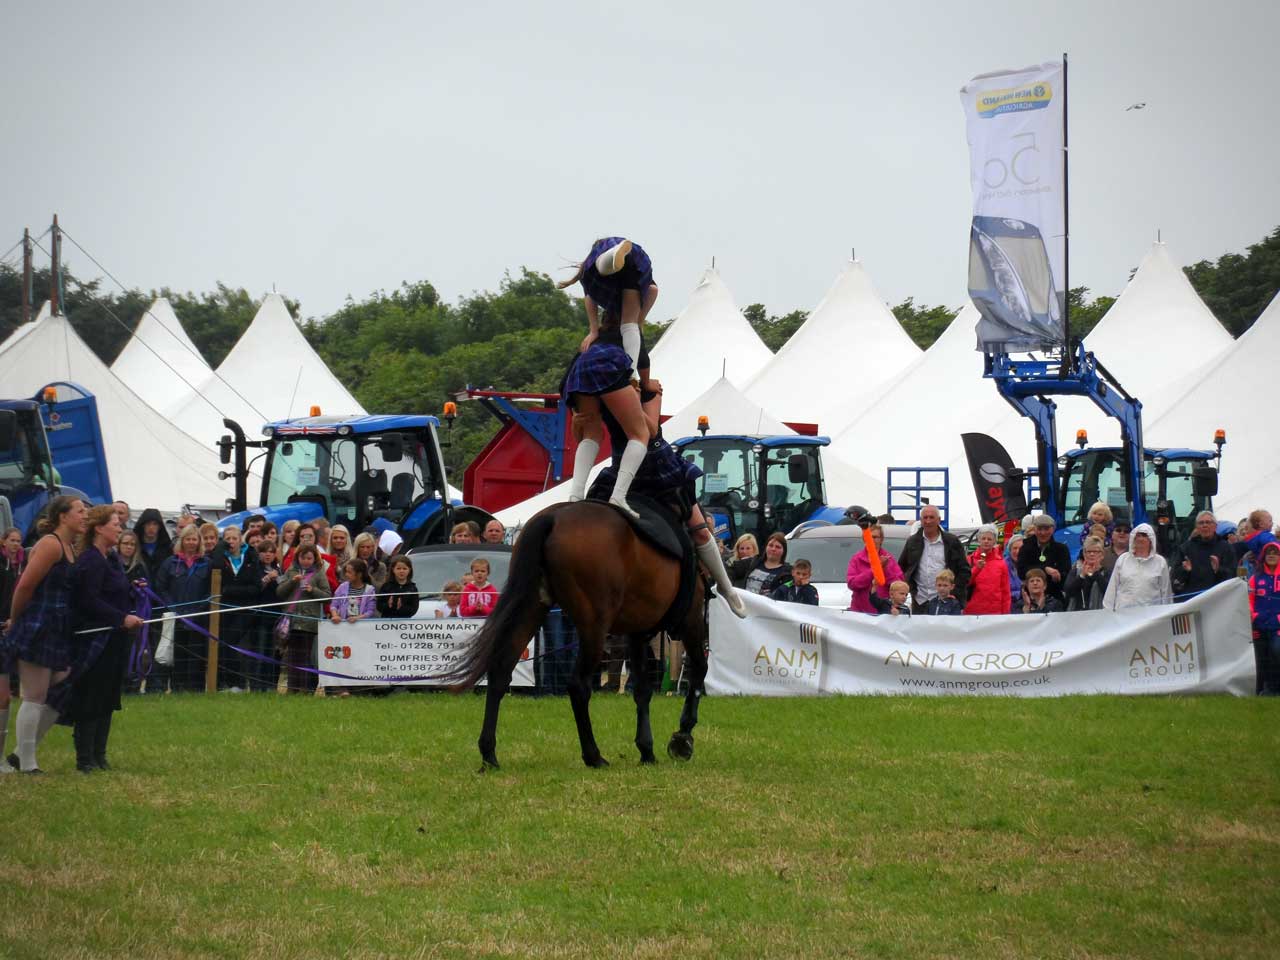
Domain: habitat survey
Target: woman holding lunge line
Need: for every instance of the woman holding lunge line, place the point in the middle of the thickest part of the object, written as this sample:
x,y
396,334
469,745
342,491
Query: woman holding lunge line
x,y
102,599
39,635
619,292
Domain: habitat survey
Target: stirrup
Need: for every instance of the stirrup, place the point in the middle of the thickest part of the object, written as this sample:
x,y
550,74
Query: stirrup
x,y
625,508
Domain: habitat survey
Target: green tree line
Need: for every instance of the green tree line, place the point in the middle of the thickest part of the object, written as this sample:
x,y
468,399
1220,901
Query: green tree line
x,y
408,350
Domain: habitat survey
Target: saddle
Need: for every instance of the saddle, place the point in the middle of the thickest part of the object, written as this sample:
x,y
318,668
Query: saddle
x,y
662,527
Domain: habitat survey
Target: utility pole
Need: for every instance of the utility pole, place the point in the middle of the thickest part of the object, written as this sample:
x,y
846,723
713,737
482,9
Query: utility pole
x,y
55,277
26,275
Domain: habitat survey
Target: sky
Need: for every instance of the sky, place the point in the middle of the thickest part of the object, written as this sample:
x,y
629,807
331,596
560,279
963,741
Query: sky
x,y
331,149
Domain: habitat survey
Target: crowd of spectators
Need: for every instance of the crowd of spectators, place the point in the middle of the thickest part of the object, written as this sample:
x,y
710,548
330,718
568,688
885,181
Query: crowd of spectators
x,y
69,605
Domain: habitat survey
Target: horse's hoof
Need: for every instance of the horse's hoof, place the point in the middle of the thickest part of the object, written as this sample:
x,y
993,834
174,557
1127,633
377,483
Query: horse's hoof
x,y
489,763
648,758
680,746
595,763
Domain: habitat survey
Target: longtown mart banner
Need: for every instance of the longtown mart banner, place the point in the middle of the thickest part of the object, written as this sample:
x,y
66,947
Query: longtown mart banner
x,y
789,649
401,652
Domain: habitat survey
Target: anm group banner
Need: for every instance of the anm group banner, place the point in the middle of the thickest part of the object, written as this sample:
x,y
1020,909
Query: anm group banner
x,y
789,649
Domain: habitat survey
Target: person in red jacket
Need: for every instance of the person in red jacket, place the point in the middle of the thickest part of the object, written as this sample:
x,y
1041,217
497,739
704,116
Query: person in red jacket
x,y
1264,611
479,596
988,577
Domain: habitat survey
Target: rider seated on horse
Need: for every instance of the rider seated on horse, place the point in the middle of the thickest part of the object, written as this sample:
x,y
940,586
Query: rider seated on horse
x,y
619,292
666,477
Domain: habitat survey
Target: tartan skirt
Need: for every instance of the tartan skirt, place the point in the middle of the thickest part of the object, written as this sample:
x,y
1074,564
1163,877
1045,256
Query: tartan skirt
x,y
603,368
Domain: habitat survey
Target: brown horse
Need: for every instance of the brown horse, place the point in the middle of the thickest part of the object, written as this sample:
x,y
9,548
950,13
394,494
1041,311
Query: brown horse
x,y
586,558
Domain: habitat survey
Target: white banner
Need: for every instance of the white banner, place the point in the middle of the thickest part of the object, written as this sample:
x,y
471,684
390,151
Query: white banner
x,y
386,651
789,649
1017,242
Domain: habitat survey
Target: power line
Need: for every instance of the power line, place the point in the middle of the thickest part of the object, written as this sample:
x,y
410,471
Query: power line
x,y
194,389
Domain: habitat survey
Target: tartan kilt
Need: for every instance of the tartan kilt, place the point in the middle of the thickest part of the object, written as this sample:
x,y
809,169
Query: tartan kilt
x,y
636,274
602,369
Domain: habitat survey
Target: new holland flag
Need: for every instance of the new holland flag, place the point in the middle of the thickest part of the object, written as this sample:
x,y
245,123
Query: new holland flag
x,y
1017,239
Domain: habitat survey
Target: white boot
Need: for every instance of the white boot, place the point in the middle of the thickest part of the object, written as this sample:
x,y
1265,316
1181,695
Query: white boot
x,y
584,458
632,457
709,554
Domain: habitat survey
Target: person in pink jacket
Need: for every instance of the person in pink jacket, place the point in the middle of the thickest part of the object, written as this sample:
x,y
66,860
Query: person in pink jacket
x,y
989,577
861,580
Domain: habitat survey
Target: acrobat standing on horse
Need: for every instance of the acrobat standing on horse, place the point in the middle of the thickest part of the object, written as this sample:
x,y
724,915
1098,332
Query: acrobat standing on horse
x,y
619,292
666,477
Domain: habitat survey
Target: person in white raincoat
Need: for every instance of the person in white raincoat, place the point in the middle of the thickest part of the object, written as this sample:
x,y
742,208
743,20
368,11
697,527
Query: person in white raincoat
x,y
1141,576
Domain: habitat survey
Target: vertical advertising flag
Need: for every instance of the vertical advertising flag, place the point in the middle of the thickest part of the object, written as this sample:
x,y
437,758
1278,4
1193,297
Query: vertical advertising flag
x,y
1017,241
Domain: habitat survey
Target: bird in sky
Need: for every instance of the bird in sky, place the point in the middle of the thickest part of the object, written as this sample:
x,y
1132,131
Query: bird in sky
x,y
1136,106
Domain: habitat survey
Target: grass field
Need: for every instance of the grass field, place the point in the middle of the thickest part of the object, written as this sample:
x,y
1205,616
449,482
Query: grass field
x,y
239,826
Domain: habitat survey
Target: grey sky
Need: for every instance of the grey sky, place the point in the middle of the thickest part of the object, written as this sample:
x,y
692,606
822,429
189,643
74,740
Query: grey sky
x,y
335,148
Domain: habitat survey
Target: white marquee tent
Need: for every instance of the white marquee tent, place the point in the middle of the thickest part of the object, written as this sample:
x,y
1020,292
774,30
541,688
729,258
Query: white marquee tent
x,y
918,418
270,374
1221,396
708,339
152,463
160,363
843,355
22,330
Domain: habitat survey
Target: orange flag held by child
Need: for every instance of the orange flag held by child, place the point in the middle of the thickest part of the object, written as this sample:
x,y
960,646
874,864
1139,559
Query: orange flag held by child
x,y
873,554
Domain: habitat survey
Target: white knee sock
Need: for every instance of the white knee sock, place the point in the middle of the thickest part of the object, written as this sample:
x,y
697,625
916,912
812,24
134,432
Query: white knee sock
x,y
584,458
631,344
4,730
632,457
26,733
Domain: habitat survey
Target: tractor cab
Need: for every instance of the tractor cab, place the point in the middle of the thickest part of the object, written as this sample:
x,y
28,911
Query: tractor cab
x,y
758,485
385,472
51,445
1177,484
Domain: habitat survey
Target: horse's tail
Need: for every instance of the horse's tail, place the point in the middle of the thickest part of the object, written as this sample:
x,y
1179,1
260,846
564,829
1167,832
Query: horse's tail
x,y
521,593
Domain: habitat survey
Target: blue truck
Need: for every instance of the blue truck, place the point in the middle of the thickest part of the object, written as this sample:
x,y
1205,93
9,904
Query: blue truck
x,y
381,471
51,445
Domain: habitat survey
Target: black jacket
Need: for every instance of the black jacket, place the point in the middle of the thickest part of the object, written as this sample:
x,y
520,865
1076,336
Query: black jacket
x,y
787,591
154,559
1055,555
403,604
953,558
739,570
1085,592
242,589
1201,576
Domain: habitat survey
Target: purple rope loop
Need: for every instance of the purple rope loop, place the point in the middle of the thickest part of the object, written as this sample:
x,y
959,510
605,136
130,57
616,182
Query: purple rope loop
x,y
140,658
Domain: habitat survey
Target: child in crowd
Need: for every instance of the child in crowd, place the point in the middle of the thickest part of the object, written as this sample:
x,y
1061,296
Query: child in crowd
x,y
478,596
1035,595
944,604
307,587
399,596
353,600
451,597
797,588
898,604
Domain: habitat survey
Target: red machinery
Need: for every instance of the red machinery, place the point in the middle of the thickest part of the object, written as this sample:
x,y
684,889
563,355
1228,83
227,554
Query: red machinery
x,y
532,452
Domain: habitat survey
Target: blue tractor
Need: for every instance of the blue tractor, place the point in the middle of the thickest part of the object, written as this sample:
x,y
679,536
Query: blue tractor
x,y
51,445
759,485
384,472
1164,487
